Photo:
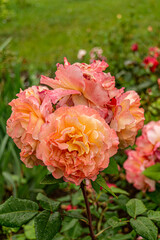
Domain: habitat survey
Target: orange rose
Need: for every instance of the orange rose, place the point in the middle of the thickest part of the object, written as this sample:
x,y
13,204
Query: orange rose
x,y
76,143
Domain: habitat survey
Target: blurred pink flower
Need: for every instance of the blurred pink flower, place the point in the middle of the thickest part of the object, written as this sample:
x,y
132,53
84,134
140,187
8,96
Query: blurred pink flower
x,y
96,54
94,87
76,143
151,63
134,47
134,166
154,51
128,118
149,143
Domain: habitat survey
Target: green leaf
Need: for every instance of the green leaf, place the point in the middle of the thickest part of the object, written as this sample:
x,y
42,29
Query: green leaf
x,y
77,198
49,179
115,222
112,167
5,43
101,182
75,232
145,228
75,214
16,212
135,207
66,225
47,225
154,215
3,145
19,237
153,172
119,190
128,236
29,230
95,186
8,178
48,203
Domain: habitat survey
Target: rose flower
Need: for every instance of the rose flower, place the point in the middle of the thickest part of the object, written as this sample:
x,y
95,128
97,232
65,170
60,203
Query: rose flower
x,y
134,166
95,88
128,118
25,122
76,143
151,63
149,143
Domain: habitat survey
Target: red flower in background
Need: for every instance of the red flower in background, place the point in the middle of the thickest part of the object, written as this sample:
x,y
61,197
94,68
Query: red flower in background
x,y
154,51
151,63
134,47
70,207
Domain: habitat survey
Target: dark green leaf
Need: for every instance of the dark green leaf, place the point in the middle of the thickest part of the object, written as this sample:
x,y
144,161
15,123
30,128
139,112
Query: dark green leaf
x,y
112,167
16,212
47,203
101,182
153,172
47,225
95,186
154,215
49,179
135,207
155,196
145,228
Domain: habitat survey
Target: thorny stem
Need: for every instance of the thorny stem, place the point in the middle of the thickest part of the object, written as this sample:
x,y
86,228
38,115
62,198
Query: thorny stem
x,y
88,211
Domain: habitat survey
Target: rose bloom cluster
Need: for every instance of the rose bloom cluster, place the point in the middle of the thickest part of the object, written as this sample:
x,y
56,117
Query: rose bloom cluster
x,y
76,122
152,60
146,154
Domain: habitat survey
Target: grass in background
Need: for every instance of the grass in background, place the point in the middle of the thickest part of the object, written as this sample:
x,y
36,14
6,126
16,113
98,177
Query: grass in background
x,y
45,31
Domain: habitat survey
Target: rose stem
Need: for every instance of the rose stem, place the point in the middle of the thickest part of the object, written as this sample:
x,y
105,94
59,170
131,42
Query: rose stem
x,y
88,211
